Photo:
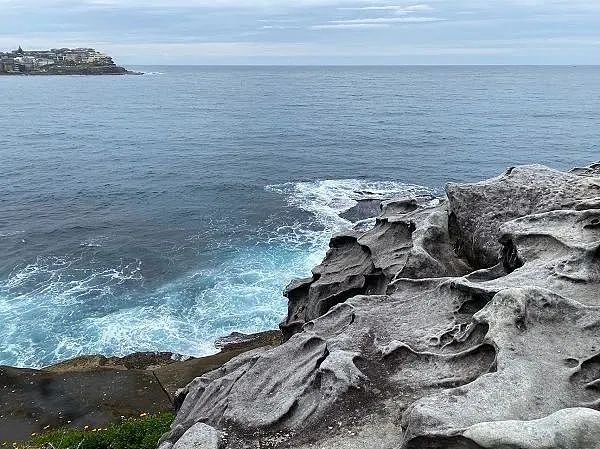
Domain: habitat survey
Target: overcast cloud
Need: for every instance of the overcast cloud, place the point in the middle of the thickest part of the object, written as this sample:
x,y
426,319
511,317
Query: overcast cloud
x,y
312,31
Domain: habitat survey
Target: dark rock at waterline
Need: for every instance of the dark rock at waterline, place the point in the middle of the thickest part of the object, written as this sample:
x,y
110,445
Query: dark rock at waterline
x,y
472,323
372,207
97,390
82,70
139,361
240,341
364,209
592,170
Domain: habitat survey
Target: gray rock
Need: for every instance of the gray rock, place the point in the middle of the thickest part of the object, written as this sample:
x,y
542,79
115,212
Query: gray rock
x,y
405,242
199,436
398,342
592,170
567,428
366,208
544,363
478,210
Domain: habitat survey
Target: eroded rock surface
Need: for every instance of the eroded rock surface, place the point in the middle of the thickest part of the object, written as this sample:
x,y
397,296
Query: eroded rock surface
x,y
408,241
478,210
469,323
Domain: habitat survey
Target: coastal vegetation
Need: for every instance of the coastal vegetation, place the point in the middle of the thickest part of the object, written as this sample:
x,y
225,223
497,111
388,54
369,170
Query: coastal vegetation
x,y
142,432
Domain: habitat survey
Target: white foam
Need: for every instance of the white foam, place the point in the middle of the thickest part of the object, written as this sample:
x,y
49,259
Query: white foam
x,y
44,302
95,242
4,234
326,200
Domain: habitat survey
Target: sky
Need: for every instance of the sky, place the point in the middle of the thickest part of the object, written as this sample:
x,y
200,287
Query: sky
x,y
189,32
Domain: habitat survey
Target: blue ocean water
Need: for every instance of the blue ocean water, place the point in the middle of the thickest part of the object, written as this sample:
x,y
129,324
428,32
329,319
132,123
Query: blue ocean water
x,y
162,211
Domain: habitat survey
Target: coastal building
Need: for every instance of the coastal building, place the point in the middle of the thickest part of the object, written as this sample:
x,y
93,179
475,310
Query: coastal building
x,y
7,66
42,62
7,63
25,63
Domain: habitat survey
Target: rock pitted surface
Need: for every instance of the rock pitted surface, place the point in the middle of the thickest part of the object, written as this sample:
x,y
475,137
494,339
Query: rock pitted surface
x,y
466,323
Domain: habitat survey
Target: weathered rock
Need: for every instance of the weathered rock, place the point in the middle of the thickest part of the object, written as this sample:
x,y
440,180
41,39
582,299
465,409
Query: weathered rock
x,y
362,356
173,377
365,208
567,428
199,436
398,342
408,240
478,210
544,362
592,170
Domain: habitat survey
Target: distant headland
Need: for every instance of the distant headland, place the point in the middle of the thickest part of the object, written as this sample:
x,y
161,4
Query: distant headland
x,y
59,61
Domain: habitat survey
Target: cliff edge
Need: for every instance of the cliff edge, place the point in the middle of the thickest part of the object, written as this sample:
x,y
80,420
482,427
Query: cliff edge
x,y
471,321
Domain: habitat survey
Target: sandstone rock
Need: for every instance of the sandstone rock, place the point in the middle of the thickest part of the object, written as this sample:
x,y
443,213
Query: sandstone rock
x,y
567,428
407,241
469,323
592,170
478,210
199,436
544,363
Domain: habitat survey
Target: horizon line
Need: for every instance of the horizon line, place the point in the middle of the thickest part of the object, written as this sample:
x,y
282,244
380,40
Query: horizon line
x,y
361,65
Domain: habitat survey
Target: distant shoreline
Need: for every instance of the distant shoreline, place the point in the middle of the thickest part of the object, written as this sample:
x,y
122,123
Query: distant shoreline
x,y
63,61
113,71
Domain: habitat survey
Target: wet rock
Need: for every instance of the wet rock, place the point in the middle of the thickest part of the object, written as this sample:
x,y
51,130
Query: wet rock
x,y
97,390
365,208
592,170
140,360
31,400
238,341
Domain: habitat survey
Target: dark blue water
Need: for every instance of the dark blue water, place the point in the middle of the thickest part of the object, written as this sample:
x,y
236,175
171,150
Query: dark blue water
x,y
160,212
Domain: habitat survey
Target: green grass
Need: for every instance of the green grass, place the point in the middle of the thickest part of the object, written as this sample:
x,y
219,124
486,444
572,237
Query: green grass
x,y
133,433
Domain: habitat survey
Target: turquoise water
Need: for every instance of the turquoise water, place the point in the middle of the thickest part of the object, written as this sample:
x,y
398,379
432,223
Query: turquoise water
x,y
162,211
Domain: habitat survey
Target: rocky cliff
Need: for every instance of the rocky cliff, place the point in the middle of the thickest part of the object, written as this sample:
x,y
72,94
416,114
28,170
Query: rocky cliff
x,y
470,321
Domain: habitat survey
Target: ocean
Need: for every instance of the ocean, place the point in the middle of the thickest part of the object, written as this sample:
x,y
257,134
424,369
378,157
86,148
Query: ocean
x,y
160,212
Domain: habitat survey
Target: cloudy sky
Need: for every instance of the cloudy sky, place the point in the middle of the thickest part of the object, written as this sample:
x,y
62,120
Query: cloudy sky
x,y
312,31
